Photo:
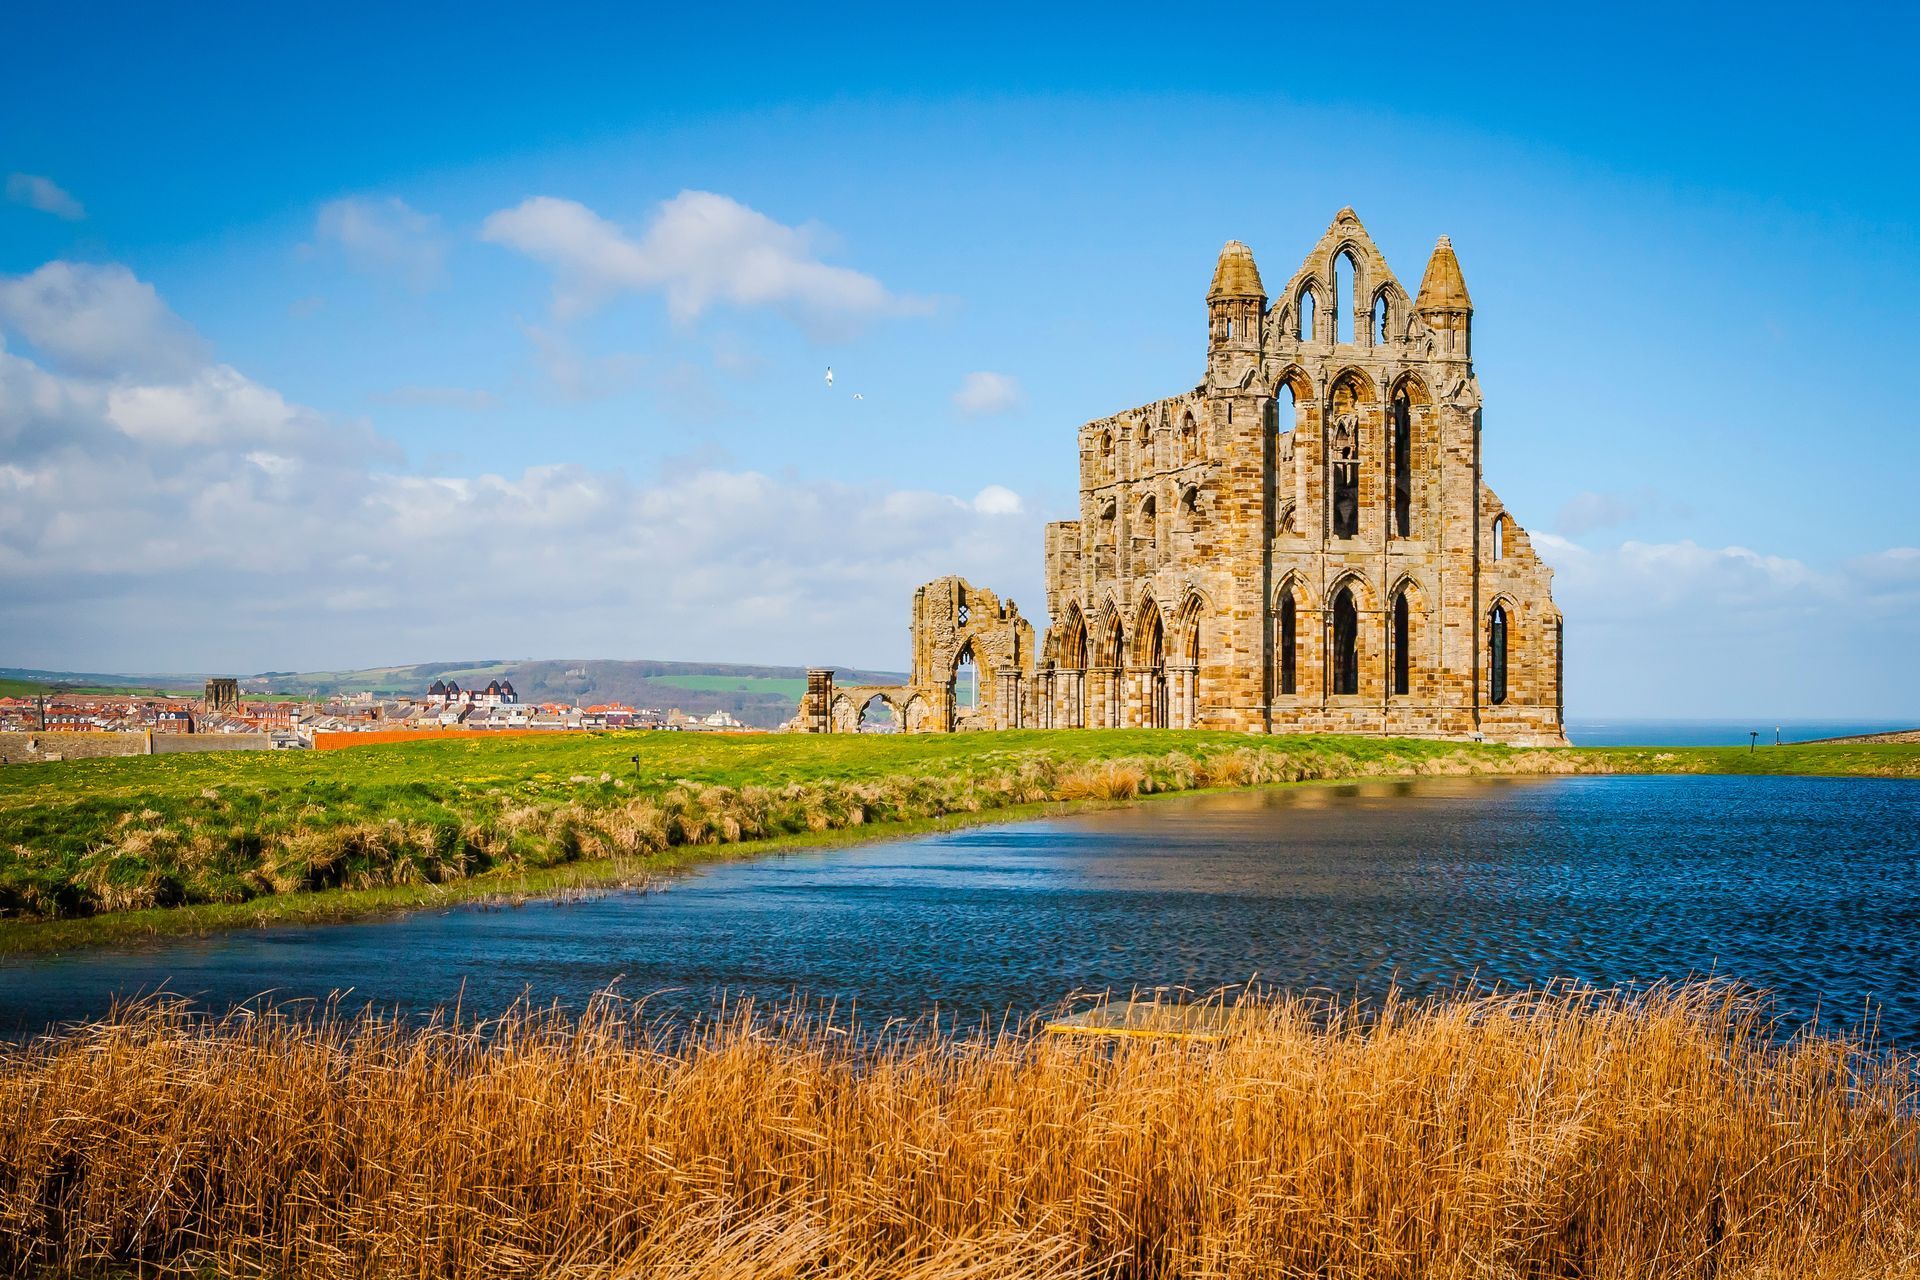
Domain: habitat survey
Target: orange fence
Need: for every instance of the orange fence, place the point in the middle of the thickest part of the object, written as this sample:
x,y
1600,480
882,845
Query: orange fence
x,y
381,737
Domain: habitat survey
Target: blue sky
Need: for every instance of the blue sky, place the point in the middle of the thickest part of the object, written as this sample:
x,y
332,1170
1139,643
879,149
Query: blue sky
x,y
296,375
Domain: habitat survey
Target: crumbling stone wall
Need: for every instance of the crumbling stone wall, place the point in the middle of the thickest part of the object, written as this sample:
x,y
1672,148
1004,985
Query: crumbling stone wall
x,y
957,627
1303,542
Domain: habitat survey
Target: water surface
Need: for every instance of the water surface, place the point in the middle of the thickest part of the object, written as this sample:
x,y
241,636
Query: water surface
x,y
1807,886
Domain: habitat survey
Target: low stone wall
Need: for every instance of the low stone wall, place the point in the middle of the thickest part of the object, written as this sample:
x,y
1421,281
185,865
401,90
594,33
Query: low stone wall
x,y
169,744
61,744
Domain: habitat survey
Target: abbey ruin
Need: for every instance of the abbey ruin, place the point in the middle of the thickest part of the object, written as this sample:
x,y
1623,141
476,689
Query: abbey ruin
x,y
1301,543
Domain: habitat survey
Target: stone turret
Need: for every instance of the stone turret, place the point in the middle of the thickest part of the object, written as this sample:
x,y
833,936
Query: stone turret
x,y
1235,300
1443,302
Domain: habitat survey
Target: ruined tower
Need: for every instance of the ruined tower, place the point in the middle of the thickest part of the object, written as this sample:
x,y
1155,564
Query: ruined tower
x,y
1303,542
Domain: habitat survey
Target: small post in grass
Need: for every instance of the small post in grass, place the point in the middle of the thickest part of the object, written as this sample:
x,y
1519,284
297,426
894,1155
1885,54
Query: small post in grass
x,y
636,767
1755,735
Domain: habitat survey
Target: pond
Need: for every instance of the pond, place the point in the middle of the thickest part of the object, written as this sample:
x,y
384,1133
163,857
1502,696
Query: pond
x,y
1809,887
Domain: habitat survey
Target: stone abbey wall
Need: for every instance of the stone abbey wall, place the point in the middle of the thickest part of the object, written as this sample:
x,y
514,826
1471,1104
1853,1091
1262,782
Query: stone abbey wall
x,y
37,746
40,745
1302,542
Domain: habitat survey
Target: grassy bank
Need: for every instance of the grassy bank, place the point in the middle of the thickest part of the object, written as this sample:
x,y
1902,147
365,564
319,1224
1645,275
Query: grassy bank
x,y
104,850
1552,1136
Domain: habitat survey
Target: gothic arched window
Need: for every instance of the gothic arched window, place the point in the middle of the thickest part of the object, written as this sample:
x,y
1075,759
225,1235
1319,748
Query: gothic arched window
x,y
1497,655
1343,463
1380,335
1344,656
1402,657
965,689
1402,466
1289,645
1306,314
1146,532
1344,297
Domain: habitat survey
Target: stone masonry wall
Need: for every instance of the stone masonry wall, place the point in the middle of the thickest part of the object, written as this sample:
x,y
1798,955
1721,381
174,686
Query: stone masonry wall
x,y
35,746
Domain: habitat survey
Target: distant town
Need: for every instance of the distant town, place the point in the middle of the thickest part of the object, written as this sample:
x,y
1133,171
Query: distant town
x,y
223,718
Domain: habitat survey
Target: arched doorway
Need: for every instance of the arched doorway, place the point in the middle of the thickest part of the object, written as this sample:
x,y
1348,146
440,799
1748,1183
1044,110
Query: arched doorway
x,y
963,686
1150,675
1070,676
877,715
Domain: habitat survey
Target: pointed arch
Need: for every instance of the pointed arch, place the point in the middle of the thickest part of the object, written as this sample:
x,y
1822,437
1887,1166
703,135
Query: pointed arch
x,y
1183,677
1345,271
1105,533
1186,626
1500,620
1145,547
1186,512
1354,581
1149,634
1292,390
1357,380
1306,308
1147,693
1070,652
1343,642
1406,611
1351,401
1414,387
1288,608
894,719
1109,637
1388,314
964,686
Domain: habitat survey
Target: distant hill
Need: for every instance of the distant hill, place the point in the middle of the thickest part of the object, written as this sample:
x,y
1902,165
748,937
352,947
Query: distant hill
x,y
18,682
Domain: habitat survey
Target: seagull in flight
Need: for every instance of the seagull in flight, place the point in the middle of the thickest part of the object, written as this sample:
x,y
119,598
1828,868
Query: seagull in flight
x,y
829,375
858,396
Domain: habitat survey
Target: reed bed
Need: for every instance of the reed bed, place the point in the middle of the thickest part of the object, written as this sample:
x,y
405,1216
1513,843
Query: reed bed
x,y
1559,1134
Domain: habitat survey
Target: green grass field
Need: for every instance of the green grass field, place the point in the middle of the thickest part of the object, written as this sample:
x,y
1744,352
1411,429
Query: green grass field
x,y
12,688
258,836
786,687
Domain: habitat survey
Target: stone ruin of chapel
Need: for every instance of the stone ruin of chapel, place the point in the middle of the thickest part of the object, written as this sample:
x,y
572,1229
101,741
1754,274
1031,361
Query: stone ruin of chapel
x,y
1303,542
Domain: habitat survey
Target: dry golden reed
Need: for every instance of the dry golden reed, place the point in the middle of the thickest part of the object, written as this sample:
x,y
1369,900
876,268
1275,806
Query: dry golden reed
x,y
1553,1135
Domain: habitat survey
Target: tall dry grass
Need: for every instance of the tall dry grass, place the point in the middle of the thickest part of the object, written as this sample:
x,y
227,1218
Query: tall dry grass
x,y
1560,1135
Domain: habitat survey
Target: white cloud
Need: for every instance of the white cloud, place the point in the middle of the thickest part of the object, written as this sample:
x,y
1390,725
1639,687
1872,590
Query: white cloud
x,y
98,321
1679,629
986,393
699,249
997,500
45,195
386,238
195,519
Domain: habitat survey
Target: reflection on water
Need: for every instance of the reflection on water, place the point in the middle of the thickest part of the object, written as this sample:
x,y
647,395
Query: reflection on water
x,y
1808,886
